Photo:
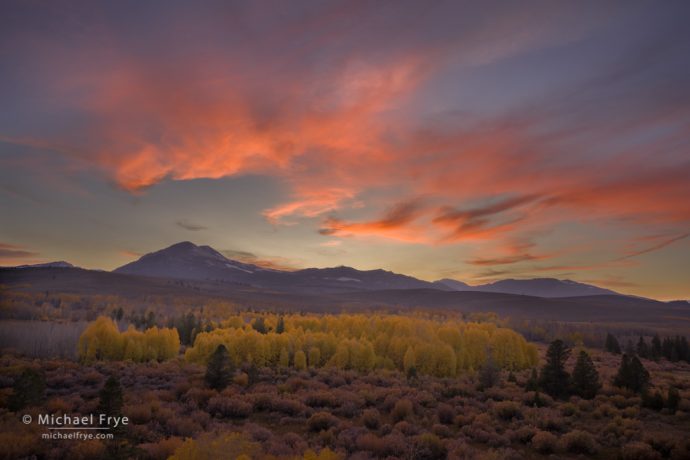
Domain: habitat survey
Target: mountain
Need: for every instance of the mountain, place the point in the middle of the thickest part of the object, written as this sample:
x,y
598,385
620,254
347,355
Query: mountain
x,y
191,262
453,285
203,263
596,308
188,261
58,264
537,287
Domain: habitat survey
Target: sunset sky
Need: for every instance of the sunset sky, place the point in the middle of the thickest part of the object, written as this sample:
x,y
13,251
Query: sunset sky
x,y
475,141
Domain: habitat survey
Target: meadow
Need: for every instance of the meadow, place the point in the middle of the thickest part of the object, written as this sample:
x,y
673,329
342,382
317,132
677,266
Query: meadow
x,y
335,386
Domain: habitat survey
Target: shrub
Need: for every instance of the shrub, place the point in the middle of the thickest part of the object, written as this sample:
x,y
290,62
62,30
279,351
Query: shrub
x,y
87,450
162,449
402,410
322,399
371,418
639,451
28,390
544,442
507,410
392,445
220,445
579,442
428,446
445,413
568,409
321,421
233,407
524,434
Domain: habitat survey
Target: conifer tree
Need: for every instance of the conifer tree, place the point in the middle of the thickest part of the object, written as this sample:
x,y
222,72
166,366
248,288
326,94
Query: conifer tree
x,y
110,402
612,345
630,348
489,374
259,325
632,375
585,379
280,327
28,390
219,369
673,399
642,348
656,348
533,381
554,379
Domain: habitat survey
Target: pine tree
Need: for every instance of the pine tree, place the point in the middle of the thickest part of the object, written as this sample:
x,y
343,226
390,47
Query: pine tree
x,y
585,377
642,348
656,348
259,325
630,348
554,379
632,375
612,345
28,390
280,327
110,402
673,399
219,369
489,374
533,381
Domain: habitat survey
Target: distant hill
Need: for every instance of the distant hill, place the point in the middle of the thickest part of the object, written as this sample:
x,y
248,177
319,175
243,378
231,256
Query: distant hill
x,y
596,308
453,285
538,287
58,264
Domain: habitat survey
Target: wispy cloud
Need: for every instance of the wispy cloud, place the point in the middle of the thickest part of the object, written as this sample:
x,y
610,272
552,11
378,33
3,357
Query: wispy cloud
x,y
190,225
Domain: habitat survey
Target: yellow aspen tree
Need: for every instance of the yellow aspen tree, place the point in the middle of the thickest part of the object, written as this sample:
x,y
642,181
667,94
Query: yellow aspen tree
x,y
300,360
314,357
284,360
409,361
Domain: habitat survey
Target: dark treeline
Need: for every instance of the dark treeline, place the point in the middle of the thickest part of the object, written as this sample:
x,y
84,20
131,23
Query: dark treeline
x,y
673,349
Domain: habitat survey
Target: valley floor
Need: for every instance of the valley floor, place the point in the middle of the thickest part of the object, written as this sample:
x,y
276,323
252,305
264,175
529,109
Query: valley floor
x,y
327,413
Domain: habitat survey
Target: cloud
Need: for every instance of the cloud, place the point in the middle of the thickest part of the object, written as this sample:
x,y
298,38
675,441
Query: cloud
x,y
346,114
11,252
396,223
189,225
661,242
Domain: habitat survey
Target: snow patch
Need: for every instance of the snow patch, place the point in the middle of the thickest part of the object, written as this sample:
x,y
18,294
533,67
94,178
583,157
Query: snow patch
x,y
238,268
344,278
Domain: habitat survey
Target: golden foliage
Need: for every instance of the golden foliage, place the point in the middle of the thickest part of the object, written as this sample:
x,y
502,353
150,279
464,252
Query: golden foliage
x,y
364,342
103,341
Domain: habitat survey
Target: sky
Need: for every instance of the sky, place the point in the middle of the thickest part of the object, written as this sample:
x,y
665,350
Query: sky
x,y
468,140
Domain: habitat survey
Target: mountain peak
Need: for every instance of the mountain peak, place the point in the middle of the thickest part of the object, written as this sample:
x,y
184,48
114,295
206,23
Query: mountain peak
x,y
186,260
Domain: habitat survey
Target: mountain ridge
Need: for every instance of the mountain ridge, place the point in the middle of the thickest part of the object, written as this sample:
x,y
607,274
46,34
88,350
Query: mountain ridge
x,y
186,260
